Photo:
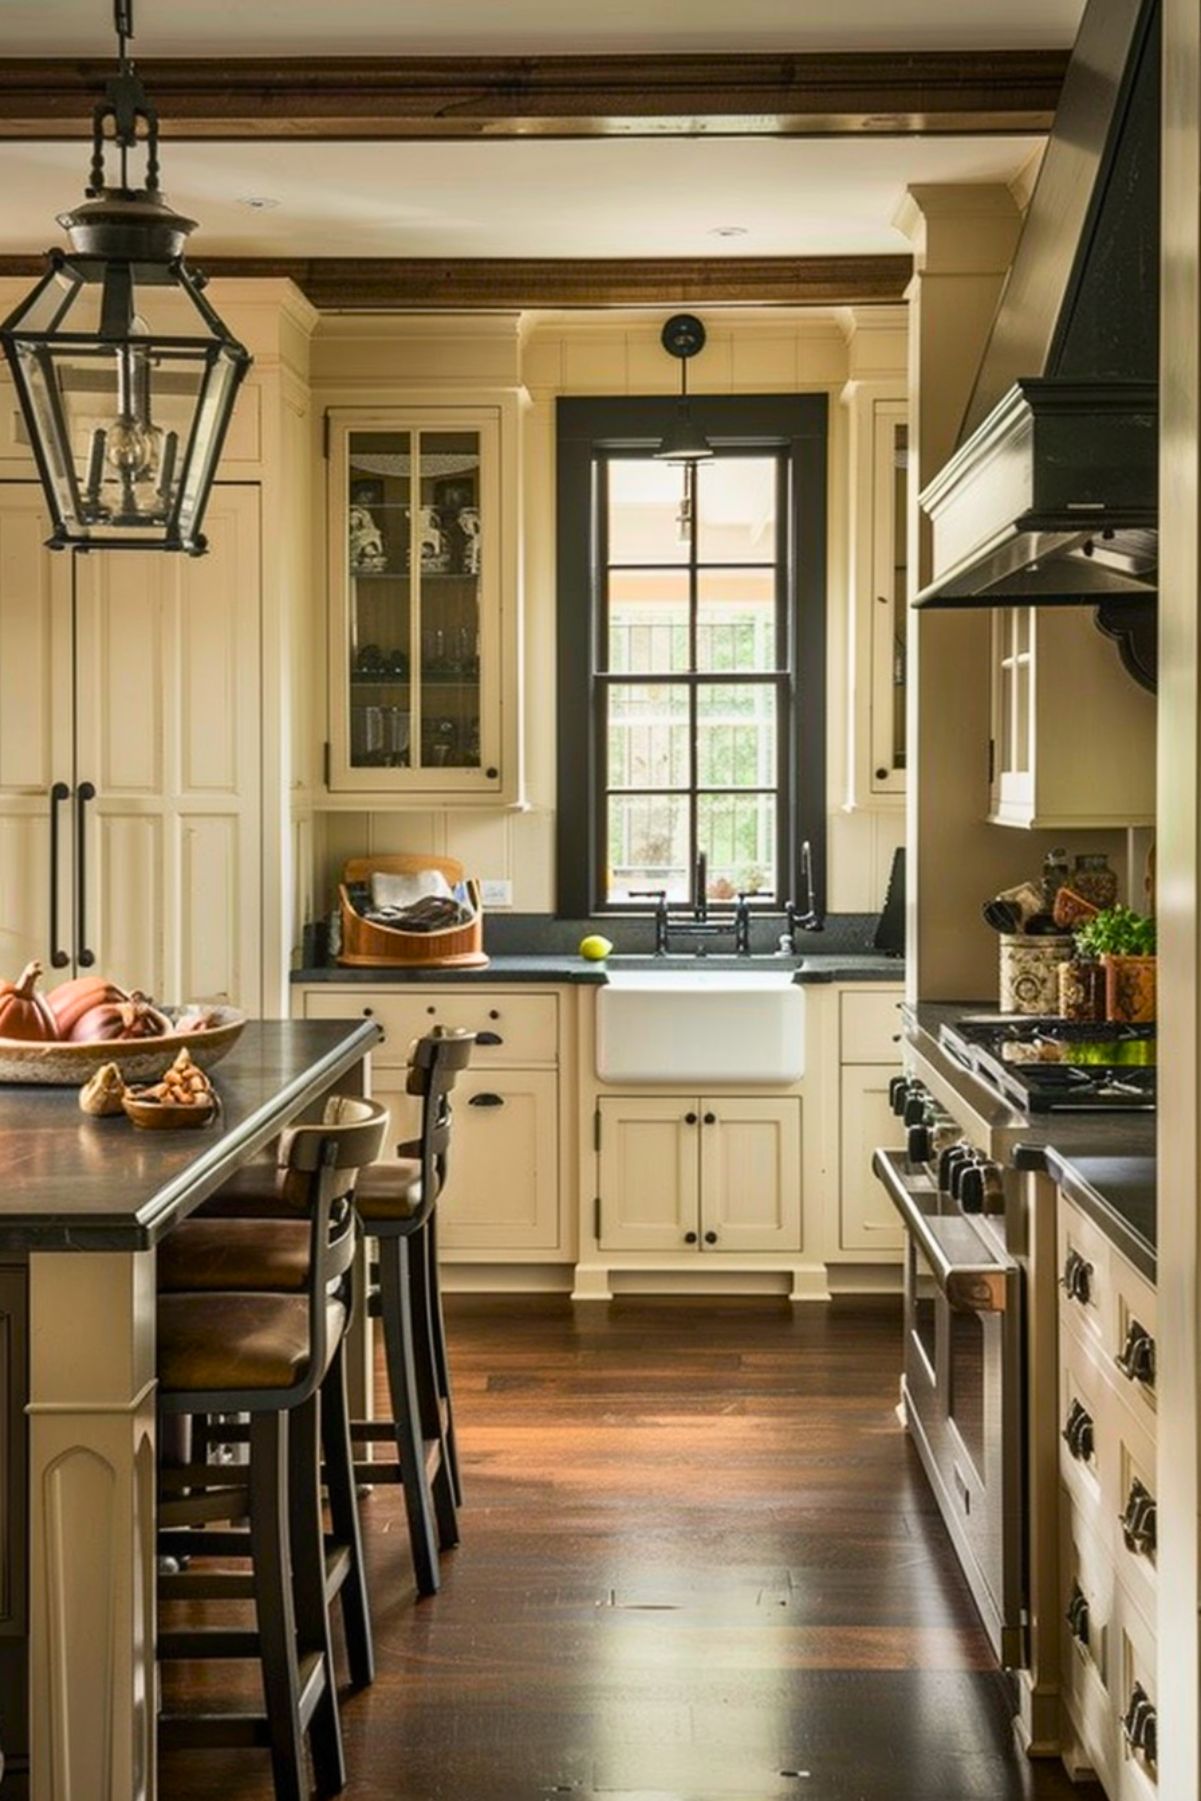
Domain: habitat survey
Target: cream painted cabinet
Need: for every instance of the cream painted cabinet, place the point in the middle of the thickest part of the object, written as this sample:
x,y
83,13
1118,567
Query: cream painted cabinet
x,y
649,1174
422,652
1073,735
867,1220
714,1174
502,1192
36,738
130,782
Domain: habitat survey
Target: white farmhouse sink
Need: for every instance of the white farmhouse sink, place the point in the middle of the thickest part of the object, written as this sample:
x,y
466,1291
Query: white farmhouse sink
x,y
699,1025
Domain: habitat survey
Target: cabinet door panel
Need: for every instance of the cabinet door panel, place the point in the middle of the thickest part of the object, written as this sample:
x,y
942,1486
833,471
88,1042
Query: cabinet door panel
x,y
751,1175
649,1174
35,730
502,1192
867,1218
168,731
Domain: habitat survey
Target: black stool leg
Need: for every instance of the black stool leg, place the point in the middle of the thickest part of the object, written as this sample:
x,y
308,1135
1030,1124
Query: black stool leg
x,y
272,1563
399,1355
344,1517
429,1402
308,1584
441,1360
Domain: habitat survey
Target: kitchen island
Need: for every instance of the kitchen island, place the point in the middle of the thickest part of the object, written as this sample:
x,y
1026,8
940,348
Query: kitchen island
x,y
84,1203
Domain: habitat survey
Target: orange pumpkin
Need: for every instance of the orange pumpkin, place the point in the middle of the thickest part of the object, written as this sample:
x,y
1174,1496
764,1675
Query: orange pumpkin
x,y
70,1001
134,1017
24,1013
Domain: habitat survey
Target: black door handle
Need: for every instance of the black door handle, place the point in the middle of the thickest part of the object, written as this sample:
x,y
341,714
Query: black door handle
x,y
710,1237
58,956
486,1100
690,1238
85,792
491,1038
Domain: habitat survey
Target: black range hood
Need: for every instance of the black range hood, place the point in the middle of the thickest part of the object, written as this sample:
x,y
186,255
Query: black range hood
x,y
1051,496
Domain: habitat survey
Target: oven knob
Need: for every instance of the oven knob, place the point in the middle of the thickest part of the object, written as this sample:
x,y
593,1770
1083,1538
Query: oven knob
x,y
898,1091
970,1193
918,1148
947,1162
959,1175
981,1188
915,1107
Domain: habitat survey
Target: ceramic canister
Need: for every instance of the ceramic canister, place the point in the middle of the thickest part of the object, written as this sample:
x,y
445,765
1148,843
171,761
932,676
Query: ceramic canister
x,y
1030,972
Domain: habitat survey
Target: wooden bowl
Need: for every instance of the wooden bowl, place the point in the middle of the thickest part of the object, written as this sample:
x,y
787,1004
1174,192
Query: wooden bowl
x,y
168,1116
57,1065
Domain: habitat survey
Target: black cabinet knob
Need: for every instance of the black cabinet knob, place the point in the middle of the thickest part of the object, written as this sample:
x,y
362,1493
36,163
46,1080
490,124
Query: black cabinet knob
x,y
710,1119
690,1238
690,1119
710,1237
1136,1359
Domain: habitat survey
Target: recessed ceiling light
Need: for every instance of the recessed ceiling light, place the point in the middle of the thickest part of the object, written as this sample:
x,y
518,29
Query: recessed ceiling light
x,y
258,203
727,231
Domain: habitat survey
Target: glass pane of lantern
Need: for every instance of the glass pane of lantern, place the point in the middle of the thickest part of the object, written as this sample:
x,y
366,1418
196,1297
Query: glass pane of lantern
x,y
378,550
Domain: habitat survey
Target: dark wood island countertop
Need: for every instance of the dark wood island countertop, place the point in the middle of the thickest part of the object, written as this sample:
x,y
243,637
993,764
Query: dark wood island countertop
x,y
73,1183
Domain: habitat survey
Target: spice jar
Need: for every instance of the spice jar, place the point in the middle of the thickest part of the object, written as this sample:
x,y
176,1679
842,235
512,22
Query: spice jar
x,y
1082,989
1093,880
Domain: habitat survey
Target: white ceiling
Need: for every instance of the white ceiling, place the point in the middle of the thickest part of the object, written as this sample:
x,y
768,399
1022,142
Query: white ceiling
x,y
480,27
520,197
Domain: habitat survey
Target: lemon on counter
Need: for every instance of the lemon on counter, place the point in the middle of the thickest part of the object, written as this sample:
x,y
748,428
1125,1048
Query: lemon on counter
x,y
595,948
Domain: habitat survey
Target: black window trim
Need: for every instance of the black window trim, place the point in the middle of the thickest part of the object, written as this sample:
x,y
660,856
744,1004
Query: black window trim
x,y
795,423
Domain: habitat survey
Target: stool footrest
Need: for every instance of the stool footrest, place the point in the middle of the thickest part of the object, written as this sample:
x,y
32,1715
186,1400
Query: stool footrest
x,y
220,1585
199,1509
198,1543
208,1641
204,1731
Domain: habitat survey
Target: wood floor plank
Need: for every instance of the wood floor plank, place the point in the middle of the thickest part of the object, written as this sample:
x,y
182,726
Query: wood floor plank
x,y
699,1563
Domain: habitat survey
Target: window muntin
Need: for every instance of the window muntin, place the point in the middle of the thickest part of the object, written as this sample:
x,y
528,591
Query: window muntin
x,y
693,678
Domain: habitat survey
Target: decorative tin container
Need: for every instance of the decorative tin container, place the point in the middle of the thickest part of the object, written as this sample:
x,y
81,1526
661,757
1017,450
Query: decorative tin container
x,y
1130,984
1093,880
1081,990
1030,972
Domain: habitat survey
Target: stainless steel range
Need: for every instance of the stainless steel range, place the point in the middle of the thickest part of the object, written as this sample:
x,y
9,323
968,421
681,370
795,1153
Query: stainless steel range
x,y
980,1293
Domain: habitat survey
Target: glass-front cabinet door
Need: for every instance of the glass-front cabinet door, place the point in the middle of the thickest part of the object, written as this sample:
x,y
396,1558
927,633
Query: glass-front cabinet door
x,y
415,584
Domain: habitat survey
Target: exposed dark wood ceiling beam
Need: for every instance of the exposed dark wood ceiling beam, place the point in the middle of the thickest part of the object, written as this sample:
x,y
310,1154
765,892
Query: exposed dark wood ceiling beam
x,y
382,283
810,95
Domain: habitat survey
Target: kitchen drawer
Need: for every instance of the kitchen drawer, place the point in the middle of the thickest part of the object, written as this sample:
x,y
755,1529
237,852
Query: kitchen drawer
x,y
1083,1267
525,1025
870,1026
1082,1385
1133,1654
1086,1572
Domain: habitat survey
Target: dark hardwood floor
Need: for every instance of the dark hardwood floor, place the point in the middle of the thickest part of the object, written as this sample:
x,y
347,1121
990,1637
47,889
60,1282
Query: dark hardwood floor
x,y
699,1563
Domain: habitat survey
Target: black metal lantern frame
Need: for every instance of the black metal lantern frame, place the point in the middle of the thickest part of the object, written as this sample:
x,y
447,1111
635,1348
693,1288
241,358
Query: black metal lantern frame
x,y
127,403
683,336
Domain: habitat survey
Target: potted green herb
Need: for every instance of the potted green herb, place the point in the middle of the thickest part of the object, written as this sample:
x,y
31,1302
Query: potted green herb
x,y
1123,942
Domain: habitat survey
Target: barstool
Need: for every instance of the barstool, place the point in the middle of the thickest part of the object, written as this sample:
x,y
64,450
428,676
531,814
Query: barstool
x,y
278,1358
397,1204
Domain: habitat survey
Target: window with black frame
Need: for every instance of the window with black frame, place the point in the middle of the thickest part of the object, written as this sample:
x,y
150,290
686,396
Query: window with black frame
x,y
691,623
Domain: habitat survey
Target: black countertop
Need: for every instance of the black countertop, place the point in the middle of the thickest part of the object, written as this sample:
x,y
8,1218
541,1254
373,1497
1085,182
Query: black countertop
x,y
74,1183
840,966
1105,1162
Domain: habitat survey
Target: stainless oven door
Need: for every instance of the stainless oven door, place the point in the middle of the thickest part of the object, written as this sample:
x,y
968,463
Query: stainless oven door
x,y
962,1388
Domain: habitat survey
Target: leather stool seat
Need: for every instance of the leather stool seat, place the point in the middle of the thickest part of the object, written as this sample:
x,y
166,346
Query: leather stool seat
x,y
259,1189
236,1341
389,1191
235,1254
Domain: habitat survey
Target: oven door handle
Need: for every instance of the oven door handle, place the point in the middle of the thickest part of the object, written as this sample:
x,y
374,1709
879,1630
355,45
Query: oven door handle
x,y
970,1287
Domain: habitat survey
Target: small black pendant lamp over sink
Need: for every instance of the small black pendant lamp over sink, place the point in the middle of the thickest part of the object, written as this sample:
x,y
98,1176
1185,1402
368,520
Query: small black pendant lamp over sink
x,y
125,400
683,336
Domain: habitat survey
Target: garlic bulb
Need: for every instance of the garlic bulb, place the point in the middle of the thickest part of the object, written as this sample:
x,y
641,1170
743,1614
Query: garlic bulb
x,y
102,1093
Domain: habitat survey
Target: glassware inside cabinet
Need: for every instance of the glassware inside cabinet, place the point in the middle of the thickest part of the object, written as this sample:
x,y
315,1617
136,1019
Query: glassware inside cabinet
x,y
449,529
414,543
382,615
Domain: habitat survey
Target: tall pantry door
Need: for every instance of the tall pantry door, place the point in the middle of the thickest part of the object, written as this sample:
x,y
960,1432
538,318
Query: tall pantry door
x,y
36,771
168,737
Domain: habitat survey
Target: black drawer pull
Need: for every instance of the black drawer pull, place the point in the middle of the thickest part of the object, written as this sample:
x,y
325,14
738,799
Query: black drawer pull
x,y
1140,1724
486,1100
1139,1519
1077,1615
490,1038
1078,1277
1078,1432
1136,1359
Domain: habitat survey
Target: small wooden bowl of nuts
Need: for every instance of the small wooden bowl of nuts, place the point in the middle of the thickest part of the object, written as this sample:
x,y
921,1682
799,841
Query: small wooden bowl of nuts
x,y
184,1098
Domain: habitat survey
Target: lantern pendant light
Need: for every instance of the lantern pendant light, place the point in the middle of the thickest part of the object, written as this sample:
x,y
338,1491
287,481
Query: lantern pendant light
x,y
126,376
683,336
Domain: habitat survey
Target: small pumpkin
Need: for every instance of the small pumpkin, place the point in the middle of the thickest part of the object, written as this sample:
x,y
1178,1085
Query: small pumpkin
x,y
71,1000
24,1013
132,1018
